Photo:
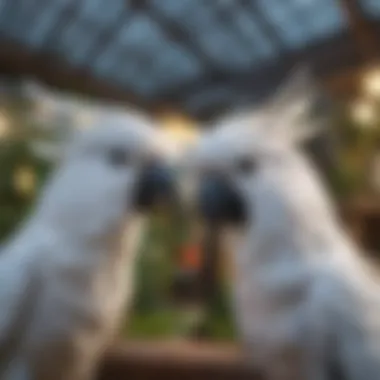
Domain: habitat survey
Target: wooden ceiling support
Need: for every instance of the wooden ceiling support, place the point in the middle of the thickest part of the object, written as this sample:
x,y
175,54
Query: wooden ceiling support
x,y
363,32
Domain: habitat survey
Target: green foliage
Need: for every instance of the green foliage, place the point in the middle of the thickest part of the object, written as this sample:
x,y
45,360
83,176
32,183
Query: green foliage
x,y
218,322
156,261
160,324
357,145
219,328
16,154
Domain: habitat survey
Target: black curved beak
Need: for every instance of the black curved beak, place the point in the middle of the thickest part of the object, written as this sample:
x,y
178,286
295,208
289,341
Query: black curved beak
x,y
156,185
220,202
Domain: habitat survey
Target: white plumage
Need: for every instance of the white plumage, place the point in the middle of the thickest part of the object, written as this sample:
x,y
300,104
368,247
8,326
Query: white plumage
x,y
306,304
66,277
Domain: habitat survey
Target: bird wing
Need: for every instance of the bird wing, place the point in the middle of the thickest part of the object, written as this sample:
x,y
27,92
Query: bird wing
x,y
19,288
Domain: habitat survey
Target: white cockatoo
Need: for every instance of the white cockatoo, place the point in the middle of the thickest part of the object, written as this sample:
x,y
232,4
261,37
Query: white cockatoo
x,y
67,274
306,305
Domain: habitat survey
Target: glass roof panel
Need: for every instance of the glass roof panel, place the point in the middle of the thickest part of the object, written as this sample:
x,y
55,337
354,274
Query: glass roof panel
x,y
325,18
223,33
190,13
298,21
169,42
13,17
143,38
81,32
371,7
102,15
3,4
174,8
76,41
132,75
261,45
174,65
43,24
104,64
200,22
140,34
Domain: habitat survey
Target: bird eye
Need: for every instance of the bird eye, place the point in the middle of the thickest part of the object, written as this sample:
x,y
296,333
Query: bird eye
x,y
118,157
246,165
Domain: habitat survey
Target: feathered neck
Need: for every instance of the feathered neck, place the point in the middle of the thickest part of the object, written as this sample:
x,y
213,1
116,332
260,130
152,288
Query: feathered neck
x,y
294,214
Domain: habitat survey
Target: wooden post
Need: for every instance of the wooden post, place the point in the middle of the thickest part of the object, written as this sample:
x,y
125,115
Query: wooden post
x,y
209,274
209,279
361,28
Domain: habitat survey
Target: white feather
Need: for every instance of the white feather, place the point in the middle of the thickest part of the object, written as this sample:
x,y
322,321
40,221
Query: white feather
x,y
67,275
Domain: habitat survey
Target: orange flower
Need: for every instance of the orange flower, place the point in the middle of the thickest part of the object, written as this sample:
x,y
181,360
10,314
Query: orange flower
x,y
191,258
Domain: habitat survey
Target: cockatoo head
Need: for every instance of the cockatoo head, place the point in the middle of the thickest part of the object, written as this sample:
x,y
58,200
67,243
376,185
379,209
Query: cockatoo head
x,y
251,166
110,172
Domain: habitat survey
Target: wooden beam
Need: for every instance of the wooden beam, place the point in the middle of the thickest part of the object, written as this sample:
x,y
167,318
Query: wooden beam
x,y
367,43
172,361
209,278
325,57
342,84
17,59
